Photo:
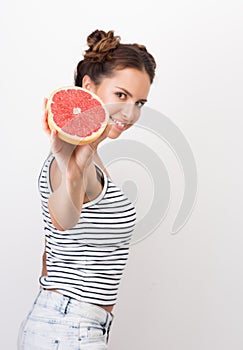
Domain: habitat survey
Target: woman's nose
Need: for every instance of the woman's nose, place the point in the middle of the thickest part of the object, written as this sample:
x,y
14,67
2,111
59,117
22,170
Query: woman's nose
x,y
129,112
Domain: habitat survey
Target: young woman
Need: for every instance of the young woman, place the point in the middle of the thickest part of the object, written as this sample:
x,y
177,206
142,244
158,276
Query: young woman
x,y
88,220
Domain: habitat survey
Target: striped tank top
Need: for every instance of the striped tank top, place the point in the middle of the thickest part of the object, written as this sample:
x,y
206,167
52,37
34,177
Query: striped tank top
x,y
87,261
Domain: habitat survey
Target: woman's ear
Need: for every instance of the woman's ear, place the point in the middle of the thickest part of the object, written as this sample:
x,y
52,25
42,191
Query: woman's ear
x,y
87,83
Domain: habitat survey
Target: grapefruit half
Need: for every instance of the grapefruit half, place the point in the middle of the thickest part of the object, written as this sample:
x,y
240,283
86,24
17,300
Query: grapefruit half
x,y
78,115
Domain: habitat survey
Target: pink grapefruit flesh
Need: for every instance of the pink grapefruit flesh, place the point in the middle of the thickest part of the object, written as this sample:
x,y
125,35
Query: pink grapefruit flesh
x,y
77,114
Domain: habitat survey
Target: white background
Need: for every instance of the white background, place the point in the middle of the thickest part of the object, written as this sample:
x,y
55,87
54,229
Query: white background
x,y
180,291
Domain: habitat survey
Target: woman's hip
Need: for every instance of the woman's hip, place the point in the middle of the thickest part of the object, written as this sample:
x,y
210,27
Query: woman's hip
x,y
59,322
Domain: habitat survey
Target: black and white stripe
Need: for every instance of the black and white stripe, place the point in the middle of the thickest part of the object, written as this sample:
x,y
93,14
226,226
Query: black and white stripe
x,y
87,261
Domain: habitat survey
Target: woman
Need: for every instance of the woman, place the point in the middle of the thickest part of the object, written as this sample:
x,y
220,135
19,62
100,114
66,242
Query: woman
x,y
88,221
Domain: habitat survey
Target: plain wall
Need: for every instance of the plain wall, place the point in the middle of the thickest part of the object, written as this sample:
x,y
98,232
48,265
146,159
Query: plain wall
x,y
181,291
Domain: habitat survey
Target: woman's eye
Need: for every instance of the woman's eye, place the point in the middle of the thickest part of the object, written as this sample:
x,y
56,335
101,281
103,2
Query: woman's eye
x,y
139,104
121,95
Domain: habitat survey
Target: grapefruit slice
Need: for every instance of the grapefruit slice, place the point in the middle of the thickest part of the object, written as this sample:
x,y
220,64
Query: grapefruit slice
x,y
77,114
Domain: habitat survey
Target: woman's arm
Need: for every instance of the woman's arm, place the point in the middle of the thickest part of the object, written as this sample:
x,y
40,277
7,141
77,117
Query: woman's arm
x,y
69,189
65,202
73,175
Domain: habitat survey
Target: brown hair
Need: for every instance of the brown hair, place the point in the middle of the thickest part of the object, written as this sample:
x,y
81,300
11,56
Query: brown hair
x,y
106,54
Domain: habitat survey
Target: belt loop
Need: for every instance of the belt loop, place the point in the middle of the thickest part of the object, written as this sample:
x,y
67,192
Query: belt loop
x,y
108,331
64,305
109,321
38,295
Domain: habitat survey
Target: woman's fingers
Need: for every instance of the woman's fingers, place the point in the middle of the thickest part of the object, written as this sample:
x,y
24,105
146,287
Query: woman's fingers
x,y
106,131
55,142
44,103
45,125
103,136
59,147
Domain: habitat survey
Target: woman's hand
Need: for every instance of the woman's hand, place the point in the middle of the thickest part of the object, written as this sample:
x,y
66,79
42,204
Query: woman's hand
x,y
71,159
45,125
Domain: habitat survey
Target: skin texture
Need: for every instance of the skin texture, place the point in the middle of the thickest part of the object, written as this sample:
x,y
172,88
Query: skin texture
x,y
73,174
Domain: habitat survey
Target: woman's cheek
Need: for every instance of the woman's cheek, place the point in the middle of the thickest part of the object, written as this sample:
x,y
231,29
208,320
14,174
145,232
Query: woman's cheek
x,y
113,108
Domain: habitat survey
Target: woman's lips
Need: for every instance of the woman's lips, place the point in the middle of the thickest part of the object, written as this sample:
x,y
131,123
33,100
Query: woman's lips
x,y
119,125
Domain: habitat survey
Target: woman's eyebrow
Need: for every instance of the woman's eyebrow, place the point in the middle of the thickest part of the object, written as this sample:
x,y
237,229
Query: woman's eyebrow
x,y
129,93
126,91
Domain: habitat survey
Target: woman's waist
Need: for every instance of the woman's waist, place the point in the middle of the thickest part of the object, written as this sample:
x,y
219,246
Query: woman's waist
x,y
53,299
107,308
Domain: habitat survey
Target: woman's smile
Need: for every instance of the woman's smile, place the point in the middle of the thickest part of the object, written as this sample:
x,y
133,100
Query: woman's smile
x,y
118,124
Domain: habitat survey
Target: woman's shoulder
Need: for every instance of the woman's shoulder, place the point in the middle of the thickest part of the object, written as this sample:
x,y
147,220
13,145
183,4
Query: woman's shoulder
x,y
97,161
46,164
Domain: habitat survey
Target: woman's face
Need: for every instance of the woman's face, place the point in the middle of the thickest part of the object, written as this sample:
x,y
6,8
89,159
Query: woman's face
x,y
124,94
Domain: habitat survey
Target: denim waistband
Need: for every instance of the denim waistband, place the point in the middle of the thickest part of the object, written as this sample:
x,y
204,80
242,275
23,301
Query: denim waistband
x,y
67,305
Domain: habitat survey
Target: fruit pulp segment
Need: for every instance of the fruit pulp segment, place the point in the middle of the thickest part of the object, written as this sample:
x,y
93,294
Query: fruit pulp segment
x,y
77,112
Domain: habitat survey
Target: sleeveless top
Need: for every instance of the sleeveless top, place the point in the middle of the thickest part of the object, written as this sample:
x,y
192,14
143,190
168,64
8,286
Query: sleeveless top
x,y
87,261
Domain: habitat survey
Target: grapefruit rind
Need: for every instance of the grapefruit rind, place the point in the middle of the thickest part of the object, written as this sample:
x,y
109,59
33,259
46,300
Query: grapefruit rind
x,y
73,139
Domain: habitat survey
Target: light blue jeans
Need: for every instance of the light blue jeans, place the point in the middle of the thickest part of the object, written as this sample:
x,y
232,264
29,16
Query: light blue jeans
x,y
57,322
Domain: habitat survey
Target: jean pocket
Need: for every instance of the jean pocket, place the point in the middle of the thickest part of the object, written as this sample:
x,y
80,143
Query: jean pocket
x,y
92,333
34,337
38,342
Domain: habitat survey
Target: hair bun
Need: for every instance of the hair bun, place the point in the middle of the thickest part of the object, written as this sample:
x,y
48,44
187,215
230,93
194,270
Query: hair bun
x,y
101,45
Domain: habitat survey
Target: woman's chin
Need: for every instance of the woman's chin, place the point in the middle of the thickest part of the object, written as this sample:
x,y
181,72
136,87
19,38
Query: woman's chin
x,y
114,134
